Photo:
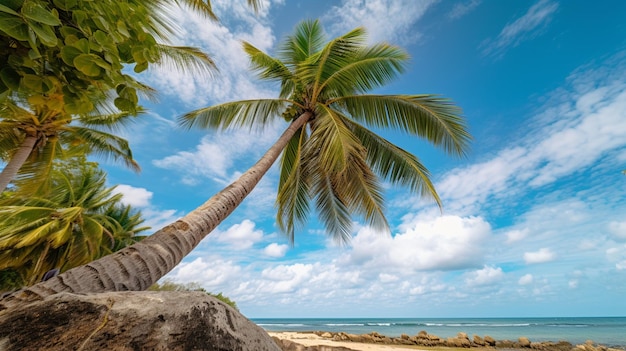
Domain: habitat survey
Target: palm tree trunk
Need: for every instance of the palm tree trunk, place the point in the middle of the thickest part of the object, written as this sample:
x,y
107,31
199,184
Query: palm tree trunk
x,y
18,159
140,265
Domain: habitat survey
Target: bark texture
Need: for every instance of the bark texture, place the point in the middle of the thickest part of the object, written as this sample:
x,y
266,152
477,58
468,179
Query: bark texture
x,y
139,266
18,159
125,321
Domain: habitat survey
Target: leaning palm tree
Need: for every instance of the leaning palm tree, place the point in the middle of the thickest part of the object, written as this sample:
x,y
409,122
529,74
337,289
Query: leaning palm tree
x,y
329,156
77,220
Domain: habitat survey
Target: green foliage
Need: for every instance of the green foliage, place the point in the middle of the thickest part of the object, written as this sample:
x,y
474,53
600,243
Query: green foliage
x,y
62,65
169,285
335,162
74,221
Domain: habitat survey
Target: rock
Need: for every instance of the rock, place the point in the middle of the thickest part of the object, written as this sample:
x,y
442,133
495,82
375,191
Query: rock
x,y
458,342
478,340
490,341
523,342
124,321
326,335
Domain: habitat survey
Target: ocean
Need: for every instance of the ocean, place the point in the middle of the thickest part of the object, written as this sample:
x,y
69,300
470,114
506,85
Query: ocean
x,y
609,331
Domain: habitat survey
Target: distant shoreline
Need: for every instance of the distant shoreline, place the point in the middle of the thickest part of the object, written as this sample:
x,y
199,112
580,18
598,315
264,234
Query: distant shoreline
x,y
610,331
424,341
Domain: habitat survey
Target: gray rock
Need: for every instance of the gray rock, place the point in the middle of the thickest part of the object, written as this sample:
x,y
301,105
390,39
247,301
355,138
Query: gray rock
x,y
125,321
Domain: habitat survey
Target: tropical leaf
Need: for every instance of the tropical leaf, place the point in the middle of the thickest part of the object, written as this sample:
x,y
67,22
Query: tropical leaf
x,y
428,116
248,113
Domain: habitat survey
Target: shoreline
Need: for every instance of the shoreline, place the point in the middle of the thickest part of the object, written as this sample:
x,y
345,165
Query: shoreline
x,y
289,340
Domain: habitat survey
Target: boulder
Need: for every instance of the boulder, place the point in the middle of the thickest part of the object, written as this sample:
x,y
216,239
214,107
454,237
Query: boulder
x,y
479,341
125,321
490,341
523,342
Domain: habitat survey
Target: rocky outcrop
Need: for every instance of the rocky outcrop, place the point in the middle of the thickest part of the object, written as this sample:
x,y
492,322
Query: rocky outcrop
x,y
125,321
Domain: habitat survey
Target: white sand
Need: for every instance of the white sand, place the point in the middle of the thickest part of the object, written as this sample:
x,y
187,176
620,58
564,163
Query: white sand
x,y
311,339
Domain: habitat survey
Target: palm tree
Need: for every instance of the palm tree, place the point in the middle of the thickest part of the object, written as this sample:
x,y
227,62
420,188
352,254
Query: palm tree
x,y
329,156
78,220
33,138
59,66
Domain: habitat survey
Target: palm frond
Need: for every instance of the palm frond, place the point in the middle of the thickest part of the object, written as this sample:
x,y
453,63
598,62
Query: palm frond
x,y
204,8
368,69
186,59
292,199
271,69
308,39
394,164
362,191
101,143
431,117
335,55
253,114
332,140
332,210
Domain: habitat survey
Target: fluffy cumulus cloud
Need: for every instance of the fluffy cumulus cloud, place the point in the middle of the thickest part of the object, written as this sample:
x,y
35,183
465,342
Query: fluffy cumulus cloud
x,y
137,197
541,256
375,16
525,279
240,236
485,276
140,198
618,230
439,243
522,29
275,250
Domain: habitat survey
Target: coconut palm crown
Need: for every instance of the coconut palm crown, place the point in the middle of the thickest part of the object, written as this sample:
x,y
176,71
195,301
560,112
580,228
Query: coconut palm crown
x,y
334,161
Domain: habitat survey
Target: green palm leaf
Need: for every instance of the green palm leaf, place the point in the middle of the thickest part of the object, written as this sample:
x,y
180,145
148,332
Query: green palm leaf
x,y
395,164
247,113
293,191
431,117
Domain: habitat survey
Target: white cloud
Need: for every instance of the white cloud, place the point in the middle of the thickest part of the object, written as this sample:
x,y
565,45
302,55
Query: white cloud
x,y
516,235
618,230
240,236
210,272
485,276
440,243
541,256
375,16
461,9
585,126
275,250
218,153
523,28
525,279
136,197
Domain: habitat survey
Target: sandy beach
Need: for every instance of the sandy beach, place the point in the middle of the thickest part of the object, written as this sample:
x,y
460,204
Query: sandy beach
x,y
311,339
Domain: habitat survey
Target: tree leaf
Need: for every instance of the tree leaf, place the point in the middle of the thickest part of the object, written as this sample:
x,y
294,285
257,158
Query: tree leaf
x,y
10,78
44,32
14,27
86,63
8,10
34,11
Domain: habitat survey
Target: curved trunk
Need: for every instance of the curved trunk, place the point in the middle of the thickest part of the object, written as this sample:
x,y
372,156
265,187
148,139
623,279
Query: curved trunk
x,y
18,159
140,265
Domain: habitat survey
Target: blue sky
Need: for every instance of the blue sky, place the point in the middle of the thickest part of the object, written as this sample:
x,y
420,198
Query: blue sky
x,y
533,221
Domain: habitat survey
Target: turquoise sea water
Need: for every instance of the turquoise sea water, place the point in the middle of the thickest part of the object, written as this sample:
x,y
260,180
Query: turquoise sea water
x,y
610,331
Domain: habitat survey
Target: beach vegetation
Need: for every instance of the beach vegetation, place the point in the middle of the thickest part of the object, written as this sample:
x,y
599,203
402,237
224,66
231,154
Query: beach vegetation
x,y
168,285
